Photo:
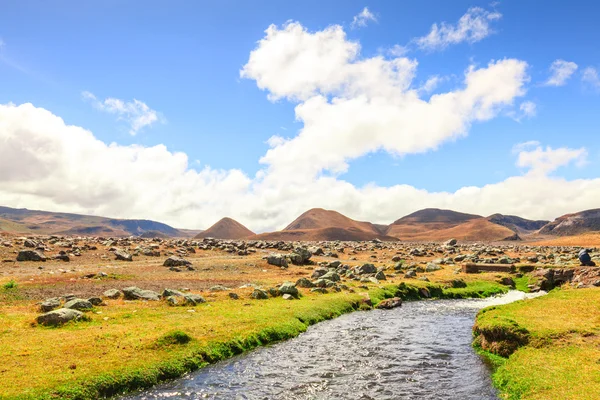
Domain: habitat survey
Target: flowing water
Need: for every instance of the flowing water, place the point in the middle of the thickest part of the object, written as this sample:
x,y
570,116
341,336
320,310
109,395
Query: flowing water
x,y
421,350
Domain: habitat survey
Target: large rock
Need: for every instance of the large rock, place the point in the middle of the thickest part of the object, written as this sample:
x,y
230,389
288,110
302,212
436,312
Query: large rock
x,y
135,293
50,304
31,255
451,242
113,293
277,259
288,288
388,304
78,304
300,256
122,255
175,261
304,283
365,269
260,294
331,276
59,317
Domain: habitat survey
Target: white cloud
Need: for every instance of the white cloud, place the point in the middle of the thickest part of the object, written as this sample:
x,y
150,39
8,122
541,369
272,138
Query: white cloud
x,y
519,147
352,106
46,164
471,27
398,50
363,18
2,44
590,77
543,161
528,108
136,113
431,84
561,71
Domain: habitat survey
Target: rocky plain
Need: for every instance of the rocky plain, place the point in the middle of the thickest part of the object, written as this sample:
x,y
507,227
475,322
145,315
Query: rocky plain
x,y
104,303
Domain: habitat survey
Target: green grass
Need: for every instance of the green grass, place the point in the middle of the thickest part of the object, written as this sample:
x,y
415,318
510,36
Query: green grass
x,y
475,289
555,341
10,285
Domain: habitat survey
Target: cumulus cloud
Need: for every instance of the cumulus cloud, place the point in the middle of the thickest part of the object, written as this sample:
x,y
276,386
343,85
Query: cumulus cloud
x,y
351,106
398,50
136,113
363,18
590,77
472,27
560,72
543,161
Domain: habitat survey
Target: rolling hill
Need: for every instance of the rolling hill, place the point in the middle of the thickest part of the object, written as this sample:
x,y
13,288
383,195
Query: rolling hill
x,y
574,224
226,228
24,221
319,224
517,224
432,224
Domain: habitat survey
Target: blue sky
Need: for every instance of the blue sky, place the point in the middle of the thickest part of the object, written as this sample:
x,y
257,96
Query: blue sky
x,y
182,59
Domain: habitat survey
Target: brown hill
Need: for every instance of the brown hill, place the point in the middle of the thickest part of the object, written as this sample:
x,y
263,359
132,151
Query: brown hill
x,y
574,224
24,221
517,224
319,224
433,224
226,228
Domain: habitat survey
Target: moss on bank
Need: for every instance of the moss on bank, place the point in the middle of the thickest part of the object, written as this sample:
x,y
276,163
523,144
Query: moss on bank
x,y
550,346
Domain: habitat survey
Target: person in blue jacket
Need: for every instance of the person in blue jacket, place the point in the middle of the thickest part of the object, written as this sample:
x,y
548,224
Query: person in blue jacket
x,y
585,259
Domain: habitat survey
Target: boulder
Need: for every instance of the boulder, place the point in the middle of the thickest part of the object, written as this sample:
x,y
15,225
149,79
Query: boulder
x,y
135,293
78,304
288,288
288,297
388,304
31,255
95,301
259,294
380,276
50,304
431,267
304,283
319,272
451,242
277,260
365,269
175,261
331,276
113,293
122,255
59,317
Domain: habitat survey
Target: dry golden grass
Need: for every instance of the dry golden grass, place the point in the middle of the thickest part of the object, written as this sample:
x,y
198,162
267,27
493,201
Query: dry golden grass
x,y
585,240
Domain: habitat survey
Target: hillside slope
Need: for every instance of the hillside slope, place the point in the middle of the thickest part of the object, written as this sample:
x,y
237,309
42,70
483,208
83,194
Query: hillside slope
x,y
434,224
226,228
24,221
574,224
319,224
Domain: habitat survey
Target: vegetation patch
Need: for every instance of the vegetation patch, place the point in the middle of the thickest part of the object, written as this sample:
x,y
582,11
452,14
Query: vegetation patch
x,y
545,348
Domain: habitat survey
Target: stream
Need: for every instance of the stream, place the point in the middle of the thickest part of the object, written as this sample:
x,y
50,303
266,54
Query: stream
x,y
421,350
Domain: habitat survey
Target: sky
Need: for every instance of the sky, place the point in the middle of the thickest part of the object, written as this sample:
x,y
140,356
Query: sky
x,y
189,111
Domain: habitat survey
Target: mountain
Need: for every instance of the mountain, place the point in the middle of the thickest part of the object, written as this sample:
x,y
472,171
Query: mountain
x,y
432,224
517,224
24,221
226,228
574,224
319,224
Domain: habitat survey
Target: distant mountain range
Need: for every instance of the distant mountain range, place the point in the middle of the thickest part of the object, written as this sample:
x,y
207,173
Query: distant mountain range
x,y
429,224
25,221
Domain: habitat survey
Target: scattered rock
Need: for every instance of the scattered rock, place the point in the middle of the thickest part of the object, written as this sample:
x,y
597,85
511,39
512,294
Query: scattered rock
x,y
59,317
122,255
31,255
135,293
388,304
113,293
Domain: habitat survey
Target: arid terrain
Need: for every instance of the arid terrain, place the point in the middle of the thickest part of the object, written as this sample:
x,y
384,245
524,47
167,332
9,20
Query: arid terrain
x,y
183,296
